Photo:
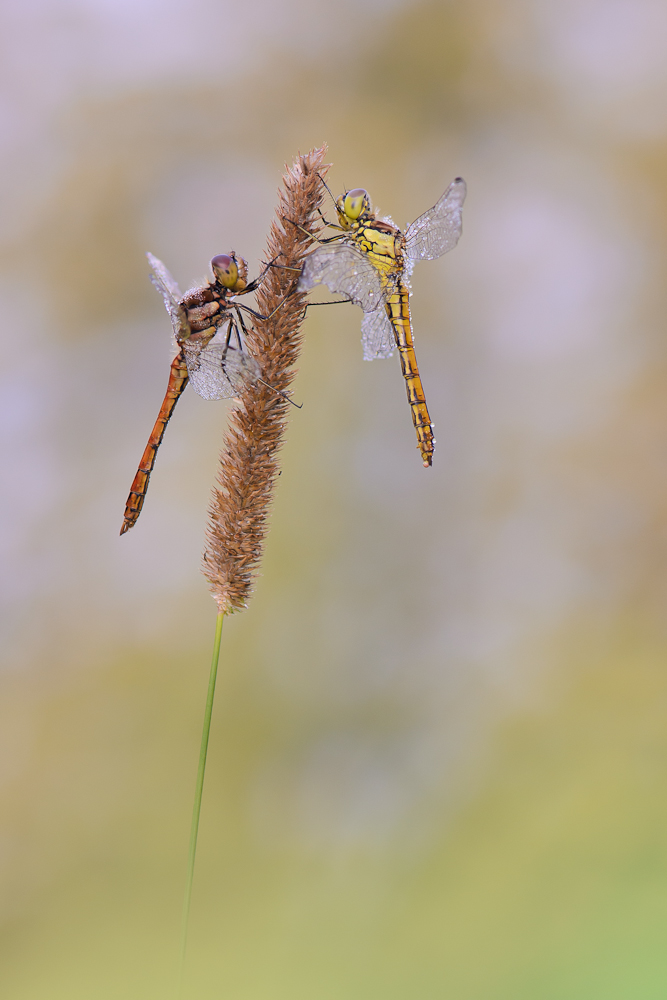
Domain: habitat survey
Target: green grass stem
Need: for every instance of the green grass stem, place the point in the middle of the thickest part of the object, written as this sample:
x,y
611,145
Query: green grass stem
x,y
196,809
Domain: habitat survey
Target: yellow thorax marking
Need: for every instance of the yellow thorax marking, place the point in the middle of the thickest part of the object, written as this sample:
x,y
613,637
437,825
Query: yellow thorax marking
x,y
381,247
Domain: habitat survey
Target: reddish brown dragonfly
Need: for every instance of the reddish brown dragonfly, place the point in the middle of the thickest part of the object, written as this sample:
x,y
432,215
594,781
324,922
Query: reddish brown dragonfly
x,y
208,327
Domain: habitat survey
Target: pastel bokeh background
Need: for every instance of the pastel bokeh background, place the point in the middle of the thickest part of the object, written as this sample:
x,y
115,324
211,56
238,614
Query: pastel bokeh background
x,y
439,758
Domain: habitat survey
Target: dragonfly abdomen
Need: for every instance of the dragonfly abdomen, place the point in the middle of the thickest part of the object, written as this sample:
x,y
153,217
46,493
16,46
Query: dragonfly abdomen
x,y
398,311
178,378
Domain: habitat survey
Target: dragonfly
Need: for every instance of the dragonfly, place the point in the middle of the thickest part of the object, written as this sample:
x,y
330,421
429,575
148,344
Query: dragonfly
x,y
208,328
370,262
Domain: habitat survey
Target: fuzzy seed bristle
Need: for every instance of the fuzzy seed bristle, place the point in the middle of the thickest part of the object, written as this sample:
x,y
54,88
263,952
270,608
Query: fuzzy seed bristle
x,y
241,498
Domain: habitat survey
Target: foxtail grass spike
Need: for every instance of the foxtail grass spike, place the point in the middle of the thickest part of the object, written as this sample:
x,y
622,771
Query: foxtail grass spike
x,y
249,459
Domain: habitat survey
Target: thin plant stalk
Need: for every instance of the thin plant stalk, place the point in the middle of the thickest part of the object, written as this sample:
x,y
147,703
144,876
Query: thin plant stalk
x,y
239,509
199,788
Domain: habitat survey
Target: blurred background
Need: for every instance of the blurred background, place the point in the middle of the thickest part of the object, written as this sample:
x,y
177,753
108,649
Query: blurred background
x,y
438,764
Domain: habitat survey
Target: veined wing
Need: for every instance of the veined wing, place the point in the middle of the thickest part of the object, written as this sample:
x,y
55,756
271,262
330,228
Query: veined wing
x,y
171,295
377,335
344,270
218,372
438,230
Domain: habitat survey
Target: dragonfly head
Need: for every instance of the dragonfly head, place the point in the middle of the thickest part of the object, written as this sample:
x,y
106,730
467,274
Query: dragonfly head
x,y
353,205
231,271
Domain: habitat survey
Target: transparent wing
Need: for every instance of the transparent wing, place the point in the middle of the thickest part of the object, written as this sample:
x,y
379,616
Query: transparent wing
x,y
218,372
171,295
343,270
438,230
377,335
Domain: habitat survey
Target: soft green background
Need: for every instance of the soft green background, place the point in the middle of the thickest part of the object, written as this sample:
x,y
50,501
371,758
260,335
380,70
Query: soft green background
x,y
439,757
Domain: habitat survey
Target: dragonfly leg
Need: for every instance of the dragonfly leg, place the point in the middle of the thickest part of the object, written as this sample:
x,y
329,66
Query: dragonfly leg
x,y
238,335
319,210
284,267
324,183
331,225
267,384
333,302
240,305
280,393
237,306
315,239
254,285
228,338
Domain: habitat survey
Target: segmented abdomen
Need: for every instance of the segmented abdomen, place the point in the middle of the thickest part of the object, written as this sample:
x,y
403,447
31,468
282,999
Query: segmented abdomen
x,y
398,310
178,378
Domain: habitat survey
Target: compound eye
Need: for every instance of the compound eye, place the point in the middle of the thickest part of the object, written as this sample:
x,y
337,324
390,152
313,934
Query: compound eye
x,y
355,203
225,270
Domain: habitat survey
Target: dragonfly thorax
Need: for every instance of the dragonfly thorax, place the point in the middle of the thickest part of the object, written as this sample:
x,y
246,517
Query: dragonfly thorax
x,y
204,308
352,206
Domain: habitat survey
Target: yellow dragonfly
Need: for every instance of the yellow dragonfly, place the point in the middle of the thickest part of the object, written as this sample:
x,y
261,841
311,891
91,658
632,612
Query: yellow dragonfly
x,y
370,262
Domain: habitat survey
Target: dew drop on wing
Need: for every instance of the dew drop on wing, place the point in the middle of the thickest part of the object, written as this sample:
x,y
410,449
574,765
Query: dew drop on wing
x,y
217,372
345,271
171,296
438,230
